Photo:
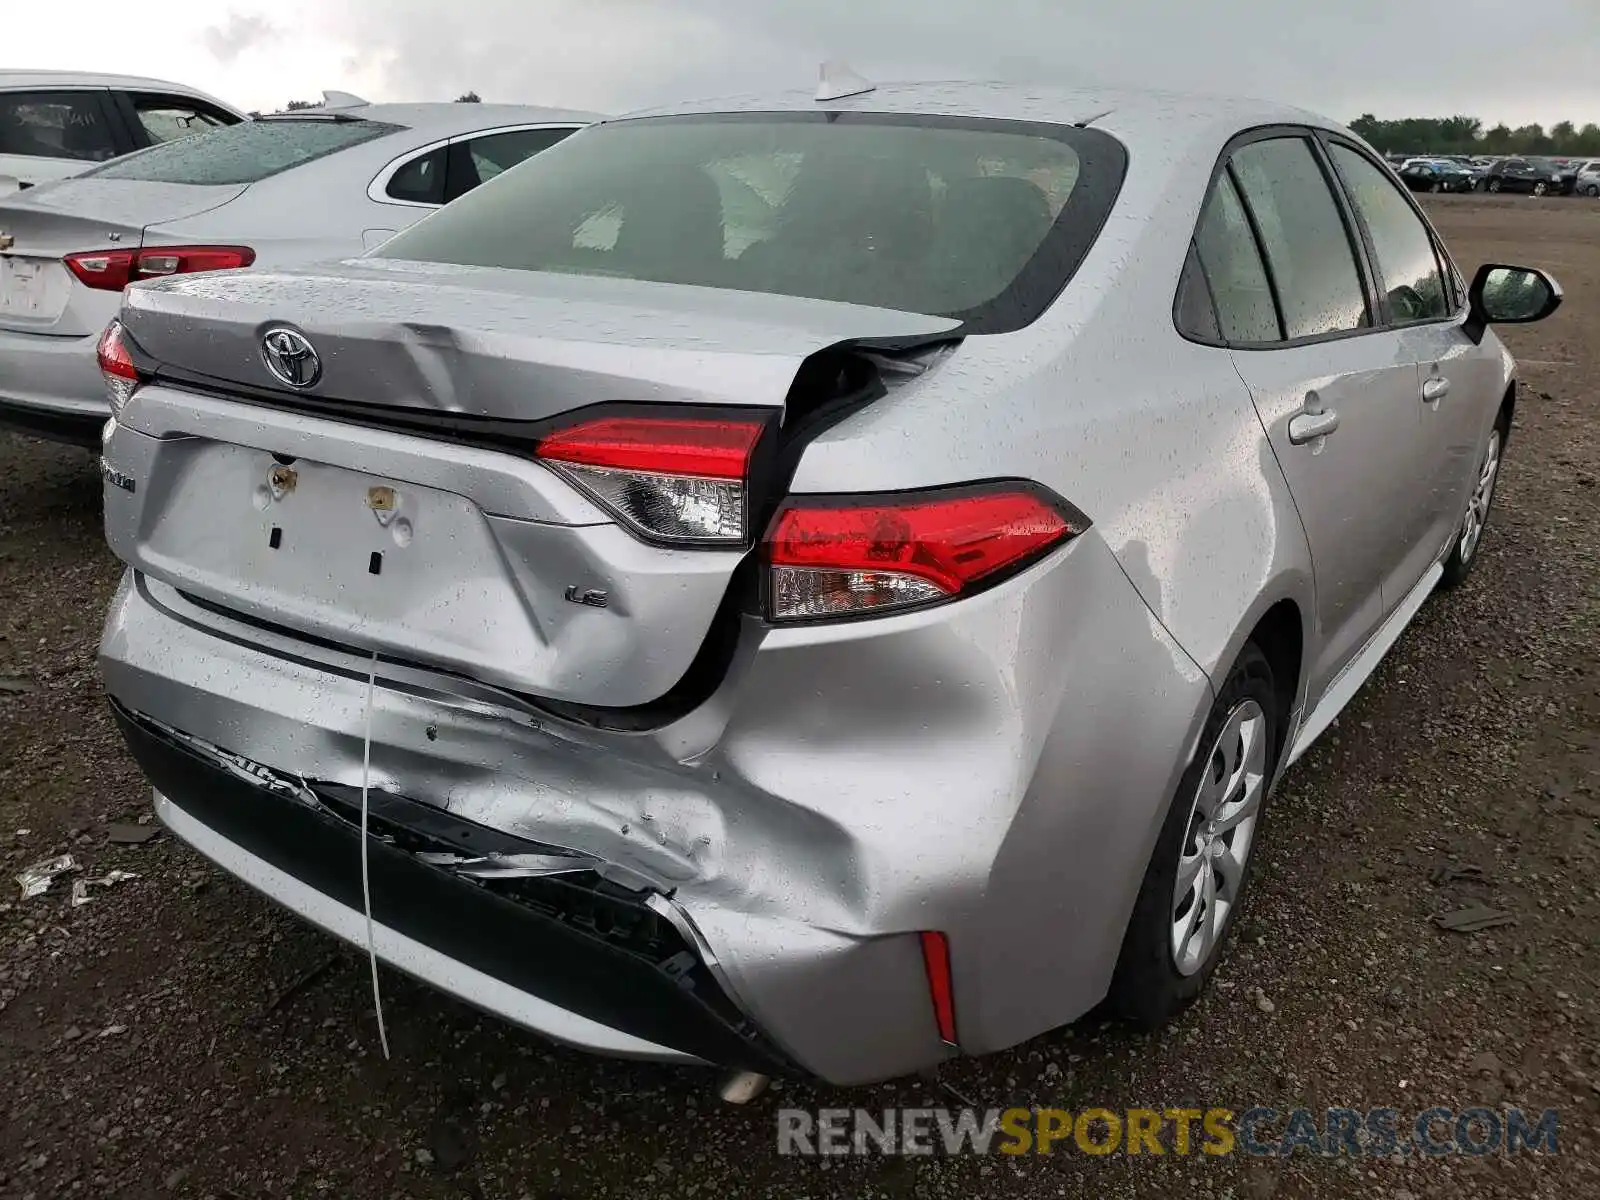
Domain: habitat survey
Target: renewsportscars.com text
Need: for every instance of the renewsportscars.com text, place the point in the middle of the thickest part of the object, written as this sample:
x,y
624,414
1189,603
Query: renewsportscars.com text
x,y
1262,1132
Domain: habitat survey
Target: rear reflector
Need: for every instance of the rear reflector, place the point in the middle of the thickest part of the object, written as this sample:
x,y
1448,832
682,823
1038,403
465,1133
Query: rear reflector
x,y
116,367
936,961
856,556
682,480
113,270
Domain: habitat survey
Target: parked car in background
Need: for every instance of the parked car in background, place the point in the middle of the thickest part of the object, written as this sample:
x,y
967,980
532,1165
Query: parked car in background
x,y
746,691
1519,175
54,124
276,191
1436,175
1586,178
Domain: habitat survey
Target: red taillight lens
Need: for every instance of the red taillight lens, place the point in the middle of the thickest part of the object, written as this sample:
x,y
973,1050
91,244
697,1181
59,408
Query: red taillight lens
x,y
113,270
103,270
936,961
670,479
116,367
834,558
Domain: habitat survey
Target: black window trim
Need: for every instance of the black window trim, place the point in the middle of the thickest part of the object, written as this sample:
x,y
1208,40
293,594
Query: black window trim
x,y
1441,257
377,190
1353,237
1355,233
1103,168
123,100
116,123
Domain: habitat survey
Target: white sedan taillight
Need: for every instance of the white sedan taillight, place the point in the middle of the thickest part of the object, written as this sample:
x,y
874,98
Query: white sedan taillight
x,y
678,480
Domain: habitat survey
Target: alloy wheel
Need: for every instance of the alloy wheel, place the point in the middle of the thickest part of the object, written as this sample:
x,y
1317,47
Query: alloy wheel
x,y
1482,494
1219,836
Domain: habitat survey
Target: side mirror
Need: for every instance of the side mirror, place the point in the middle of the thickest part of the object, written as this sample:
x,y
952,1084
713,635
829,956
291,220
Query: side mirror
x,y
1502,295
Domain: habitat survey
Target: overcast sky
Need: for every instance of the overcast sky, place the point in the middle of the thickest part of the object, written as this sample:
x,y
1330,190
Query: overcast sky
x,y
1511,60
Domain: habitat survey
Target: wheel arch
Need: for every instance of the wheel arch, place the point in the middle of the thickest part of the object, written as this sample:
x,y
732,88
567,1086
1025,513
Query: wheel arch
x,y
1280,633
1508,411
1280,623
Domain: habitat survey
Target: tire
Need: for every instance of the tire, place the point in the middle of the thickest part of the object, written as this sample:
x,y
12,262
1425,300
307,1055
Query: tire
x,y
1464,554
1540,188
1151,985
1494,185
1592,190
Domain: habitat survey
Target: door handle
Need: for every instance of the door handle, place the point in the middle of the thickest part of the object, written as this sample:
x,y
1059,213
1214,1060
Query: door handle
x,y
1436,388
1309,426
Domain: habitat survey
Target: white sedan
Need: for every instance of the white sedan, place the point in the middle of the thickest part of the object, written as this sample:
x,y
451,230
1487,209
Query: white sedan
x,y
323,183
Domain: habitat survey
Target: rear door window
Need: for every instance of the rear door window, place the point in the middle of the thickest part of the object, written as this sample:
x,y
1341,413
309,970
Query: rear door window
x,y
478,160
66,124
245,153
1303,235
163,118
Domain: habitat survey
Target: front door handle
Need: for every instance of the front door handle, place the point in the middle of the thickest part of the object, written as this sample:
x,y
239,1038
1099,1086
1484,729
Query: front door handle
x,y
1436,388
1309,426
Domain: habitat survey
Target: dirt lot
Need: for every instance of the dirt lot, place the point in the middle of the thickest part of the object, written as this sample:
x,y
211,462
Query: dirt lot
x,y
179,1036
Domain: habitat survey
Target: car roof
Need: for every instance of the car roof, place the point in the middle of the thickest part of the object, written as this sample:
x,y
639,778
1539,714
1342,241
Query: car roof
x,y
16,80
10,79
445,119
1133,112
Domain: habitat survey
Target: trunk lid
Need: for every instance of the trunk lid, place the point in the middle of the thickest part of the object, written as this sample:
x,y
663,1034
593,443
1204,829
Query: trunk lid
x,y
516,345
480,560
38,294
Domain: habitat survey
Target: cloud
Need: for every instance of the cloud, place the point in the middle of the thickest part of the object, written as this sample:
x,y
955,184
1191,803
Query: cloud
x,y
1423,57
241,33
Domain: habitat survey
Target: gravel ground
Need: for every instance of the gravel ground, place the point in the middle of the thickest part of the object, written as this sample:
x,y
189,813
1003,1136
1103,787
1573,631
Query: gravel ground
x,y
178,1036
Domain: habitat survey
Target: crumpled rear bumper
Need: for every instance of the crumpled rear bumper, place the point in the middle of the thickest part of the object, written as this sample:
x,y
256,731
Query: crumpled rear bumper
x,y
582,961
994,770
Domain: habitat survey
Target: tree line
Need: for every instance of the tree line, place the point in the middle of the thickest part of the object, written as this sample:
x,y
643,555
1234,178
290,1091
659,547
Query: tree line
x,y
1466,135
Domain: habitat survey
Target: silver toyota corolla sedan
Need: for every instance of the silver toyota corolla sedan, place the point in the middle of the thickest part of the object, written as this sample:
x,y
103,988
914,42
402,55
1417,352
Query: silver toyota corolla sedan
x,y
294,188
803,585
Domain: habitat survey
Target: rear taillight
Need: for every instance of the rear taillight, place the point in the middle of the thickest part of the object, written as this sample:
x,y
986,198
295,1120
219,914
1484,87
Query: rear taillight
x,y
116,368
854,556
671,479
113,270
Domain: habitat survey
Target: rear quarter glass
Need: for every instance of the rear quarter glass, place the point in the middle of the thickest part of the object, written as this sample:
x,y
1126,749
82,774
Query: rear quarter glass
x,y
243,153
980,220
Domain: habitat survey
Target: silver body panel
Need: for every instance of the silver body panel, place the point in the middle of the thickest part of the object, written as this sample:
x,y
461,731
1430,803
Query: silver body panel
x,y
995,768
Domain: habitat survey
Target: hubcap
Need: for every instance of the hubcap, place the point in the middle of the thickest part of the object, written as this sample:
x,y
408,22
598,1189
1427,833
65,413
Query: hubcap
x,y
1219,835
1482,493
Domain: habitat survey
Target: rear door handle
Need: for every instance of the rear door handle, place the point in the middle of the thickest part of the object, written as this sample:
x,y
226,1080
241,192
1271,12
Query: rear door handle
x,y
1309,426
1436,388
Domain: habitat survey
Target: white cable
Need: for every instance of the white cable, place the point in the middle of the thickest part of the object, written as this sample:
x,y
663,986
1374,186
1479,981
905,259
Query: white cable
x,y
366,887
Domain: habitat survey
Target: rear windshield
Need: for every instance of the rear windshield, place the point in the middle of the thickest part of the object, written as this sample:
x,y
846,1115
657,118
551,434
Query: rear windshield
x,y
980,220
243,153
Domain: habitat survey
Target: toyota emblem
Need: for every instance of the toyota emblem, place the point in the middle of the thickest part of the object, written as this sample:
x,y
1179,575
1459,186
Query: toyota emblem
x,y
290,357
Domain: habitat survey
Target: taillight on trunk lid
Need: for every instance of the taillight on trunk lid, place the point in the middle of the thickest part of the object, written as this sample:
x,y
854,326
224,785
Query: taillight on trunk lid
x,y
836,557
113,270
117,368
676,480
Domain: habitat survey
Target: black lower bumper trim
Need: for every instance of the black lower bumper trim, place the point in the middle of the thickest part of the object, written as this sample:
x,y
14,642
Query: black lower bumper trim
x,y
617,962
74,429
